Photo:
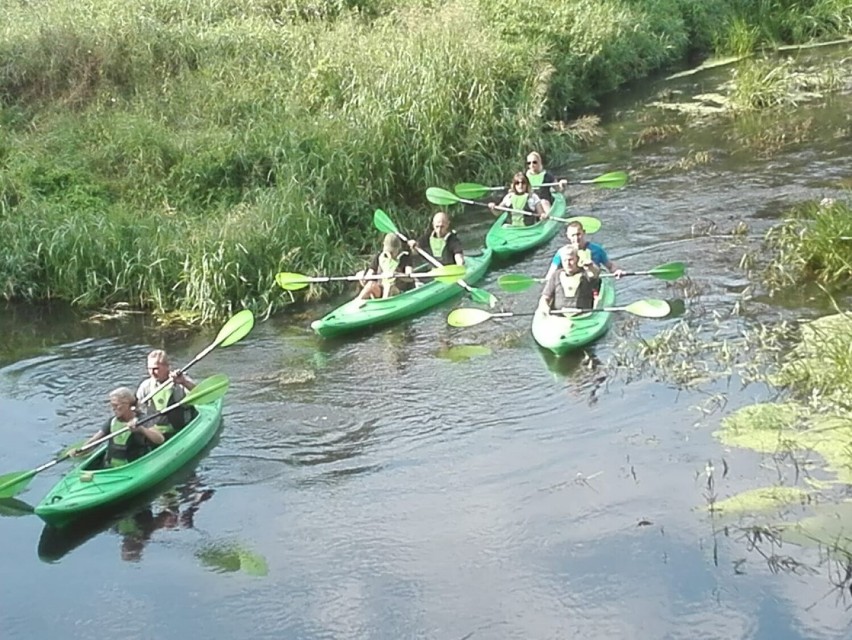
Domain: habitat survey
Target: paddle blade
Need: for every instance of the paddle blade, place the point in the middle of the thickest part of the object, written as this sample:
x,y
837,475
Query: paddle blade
x,y
236,328
613,180
467,317
515,282
448,273
442,197
383,223
590,224
14,508
11,484
471,190
650,308
669,271
290,281
482,297
208,390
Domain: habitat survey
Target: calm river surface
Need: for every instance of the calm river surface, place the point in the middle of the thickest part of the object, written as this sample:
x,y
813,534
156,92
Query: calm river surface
x,y
398,485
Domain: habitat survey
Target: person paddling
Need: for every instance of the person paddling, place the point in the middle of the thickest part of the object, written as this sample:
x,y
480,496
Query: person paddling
x,y
538,175
160,372
441,242
390,260
521,197
587,250
133,443
575,281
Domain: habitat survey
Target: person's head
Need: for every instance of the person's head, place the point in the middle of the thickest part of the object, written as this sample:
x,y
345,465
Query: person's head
x,y
158,365
392,245
534,163
570,259
576,235
122,401
520,183
441,224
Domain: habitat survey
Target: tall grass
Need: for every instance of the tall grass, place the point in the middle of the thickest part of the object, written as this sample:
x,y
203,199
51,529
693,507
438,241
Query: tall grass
x,y
177,154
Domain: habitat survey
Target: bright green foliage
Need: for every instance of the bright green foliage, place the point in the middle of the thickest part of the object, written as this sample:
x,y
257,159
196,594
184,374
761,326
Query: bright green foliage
x,y
178,154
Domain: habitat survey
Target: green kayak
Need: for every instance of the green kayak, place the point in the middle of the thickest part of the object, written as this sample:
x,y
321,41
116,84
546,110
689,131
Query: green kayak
x,y
350,317
86,488
561,334
506,240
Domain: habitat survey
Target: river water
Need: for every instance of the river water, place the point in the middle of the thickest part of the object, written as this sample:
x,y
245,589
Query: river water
x,y
429,482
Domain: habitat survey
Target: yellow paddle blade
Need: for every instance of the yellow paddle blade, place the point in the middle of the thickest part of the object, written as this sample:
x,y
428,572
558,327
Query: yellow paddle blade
x,y
448,273
467,317
291,281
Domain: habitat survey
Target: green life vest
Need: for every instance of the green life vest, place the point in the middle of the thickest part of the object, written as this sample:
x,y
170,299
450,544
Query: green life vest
x,y
519,202
117,450
437,245
387,265
536,179
161,398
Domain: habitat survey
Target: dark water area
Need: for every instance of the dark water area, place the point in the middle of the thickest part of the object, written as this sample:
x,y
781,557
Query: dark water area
x,y
423,481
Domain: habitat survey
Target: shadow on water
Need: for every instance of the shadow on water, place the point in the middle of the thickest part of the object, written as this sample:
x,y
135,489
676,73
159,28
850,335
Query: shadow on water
x,y
171,504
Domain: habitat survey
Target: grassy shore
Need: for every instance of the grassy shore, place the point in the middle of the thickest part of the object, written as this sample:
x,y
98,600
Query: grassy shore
x,y
176,155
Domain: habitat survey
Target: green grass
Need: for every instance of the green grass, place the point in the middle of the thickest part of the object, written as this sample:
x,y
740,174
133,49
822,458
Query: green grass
x,y
176,155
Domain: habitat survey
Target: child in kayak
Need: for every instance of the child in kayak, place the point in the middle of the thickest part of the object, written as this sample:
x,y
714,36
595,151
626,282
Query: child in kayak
x,y
576,282
390,260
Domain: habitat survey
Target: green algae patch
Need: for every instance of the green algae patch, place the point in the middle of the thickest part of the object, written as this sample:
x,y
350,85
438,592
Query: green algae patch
x,y
764,427
760,500
830,526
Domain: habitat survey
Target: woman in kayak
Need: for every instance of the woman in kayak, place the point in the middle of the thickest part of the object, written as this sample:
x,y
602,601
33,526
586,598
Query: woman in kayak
x,y
390,260
135,440
521,197
592,251
537,175
576,282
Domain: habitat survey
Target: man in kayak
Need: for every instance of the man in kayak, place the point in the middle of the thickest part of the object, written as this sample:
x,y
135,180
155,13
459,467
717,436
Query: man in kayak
x,y
390,260
441,242
160,372
588,251
133,441
575,281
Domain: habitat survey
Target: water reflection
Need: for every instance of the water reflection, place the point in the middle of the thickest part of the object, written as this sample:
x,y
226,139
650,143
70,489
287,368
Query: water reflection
x,y
135,522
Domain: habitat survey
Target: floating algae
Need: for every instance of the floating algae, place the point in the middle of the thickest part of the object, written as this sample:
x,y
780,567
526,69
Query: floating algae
x,y
760,500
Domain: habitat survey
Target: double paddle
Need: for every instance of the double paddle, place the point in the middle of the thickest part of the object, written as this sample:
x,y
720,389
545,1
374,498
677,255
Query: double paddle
x,y
11,484
515,282
383,223
448,273
444,198
648,308
612,180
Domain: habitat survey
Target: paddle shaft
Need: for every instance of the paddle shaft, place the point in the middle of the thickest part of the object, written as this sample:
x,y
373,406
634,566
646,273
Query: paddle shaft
x,y
435,262
507,209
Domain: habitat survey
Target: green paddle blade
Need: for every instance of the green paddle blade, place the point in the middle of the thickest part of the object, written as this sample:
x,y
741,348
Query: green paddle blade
x,y
442,197
236,328
650,308
208,390
590,224
612,180
482,297
12,484
467,317
448,273
516,282
383,223
669,271
290,281
470,190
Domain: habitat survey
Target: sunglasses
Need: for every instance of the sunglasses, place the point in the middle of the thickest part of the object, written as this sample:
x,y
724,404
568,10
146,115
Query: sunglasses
x,y
531,162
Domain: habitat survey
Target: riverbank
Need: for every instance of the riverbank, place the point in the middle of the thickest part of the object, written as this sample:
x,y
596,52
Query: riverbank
x,y
176,157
